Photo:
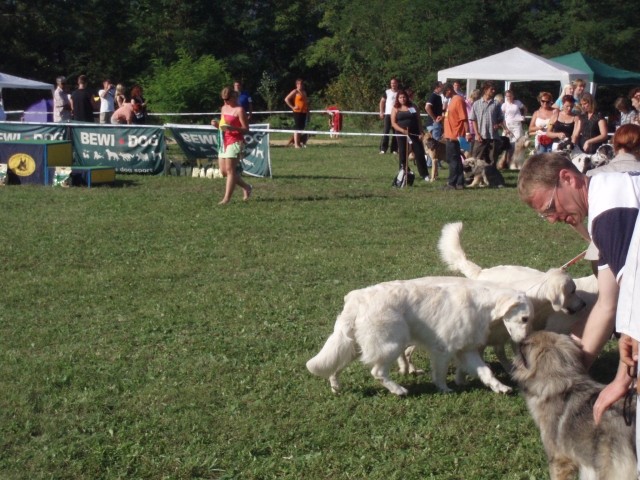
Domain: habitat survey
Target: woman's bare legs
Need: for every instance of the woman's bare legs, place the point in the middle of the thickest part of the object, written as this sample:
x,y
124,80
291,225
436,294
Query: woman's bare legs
x,y
228,168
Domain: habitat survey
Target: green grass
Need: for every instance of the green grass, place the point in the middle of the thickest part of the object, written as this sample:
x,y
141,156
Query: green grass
x,y
146,332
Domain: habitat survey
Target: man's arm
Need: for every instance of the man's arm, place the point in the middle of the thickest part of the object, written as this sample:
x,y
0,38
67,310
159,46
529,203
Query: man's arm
x,y
601,321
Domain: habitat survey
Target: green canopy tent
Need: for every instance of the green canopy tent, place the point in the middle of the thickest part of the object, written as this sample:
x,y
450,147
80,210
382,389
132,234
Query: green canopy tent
x,y
599,73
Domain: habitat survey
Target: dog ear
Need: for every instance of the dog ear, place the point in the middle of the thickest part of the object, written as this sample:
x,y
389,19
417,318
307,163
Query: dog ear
x,y
503,305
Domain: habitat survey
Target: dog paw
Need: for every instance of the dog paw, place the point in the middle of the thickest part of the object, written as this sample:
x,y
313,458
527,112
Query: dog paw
x,y
444,389
501,389
401,392
395,388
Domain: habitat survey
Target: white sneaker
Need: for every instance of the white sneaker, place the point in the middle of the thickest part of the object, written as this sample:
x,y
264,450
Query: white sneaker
x,y
381,152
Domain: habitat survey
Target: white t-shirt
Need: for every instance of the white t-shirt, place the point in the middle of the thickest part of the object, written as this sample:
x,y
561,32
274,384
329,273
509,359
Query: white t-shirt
x,y
511,112
107,103
614,202
390,101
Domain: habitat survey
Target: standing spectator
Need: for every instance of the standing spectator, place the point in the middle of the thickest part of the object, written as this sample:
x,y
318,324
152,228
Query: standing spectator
x,y
107,101
540,122
435,109
513,111
487,119
563,122
61,102
578,92
141,115
82,103
244,99
567,90
469,101
405,119
298,102
458,88
628,114
456,124
387,102
634,96
121,97
591,130
233,125
126,114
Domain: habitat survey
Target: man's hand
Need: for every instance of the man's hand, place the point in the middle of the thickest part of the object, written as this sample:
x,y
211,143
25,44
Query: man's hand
x,y
628,348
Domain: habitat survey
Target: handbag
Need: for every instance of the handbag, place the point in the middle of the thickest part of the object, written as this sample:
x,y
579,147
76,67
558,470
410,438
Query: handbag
x,y
545,140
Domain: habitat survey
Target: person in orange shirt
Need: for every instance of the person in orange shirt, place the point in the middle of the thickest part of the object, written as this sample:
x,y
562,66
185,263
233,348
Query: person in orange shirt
x,y
456,124
298,102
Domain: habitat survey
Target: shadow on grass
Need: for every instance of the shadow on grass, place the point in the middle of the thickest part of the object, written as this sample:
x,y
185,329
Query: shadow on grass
x,y
121,183
313,177
319,198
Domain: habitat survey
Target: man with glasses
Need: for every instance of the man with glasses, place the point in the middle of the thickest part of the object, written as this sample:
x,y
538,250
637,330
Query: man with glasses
x,y
553,186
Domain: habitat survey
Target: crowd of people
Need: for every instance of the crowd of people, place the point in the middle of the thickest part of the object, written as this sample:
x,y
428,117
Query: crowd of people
x,y
111,102
491,117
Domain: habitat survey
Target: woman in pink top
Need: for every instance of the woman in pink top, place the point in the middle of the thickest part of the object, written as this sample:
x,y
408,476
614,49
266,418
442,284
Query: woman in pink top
x,y
233,125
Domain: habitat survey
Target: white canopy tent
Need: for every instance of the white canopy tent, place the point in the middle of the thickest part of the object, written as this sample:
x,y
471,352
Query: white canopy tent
x,y
11,81
515,65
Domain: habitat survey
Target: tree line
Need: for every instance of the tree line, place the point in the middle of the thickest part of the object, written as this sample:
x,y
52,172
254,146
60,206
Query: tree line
x,y
346,50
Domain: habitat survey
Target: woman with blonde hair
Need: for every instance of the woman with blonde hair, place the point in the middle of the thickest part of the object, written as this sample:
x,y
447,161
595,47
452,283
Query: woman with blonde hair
x,y
233,125
120,95
540,122
567,90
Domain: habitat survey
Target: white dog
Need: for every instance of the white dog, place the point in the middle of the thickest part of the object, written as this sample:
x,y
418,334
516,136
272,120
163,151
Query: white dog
x,y
551,291
449,316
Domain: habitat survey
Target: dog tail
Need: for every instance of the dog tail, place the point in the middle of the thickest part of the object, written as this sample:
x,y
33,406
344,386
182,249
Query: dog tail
x,y
452,254
340,348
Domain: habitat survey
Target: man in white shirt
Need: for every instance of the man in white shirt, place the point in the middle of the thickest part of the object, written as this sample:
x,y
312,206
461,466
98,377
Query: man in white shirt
x,y
387,103
107,96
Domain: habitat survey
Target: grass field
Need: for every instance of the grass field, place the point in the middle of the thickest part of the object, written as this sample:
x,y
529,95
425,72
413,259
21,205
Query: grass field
x,y
147,332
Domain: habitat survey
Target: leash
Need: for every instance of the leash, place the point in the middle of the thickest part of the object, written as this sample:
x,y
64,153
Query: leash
x,y
574,260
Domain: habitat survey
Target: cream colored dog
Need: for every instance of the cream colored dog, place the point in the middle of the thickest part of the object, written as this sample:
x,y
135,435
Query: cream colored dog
x,y
450,317
549,292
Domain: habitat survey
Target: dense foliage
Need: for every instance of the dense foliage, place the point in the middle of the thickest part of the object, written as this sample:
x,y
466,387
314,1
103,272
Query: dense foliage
x,y
346,49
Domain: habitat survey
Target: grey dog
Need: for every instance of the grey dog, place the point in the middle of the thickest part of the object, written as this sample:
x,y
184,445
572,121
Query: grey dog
x,y
560,397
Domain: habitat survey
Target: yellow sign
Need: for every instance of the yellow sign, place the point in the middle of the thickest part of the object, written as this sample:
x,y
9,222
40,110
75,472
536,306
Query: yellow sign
x,y
22,164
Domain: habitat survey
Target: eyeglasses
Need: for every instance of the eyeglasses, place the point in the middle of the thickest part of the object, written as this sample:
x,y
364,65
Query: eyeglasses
x,y
551,206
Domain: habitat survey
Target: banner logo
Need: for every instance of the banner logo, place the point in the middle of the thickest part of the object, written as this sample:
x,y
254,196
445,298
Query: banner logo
x,y
22,164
